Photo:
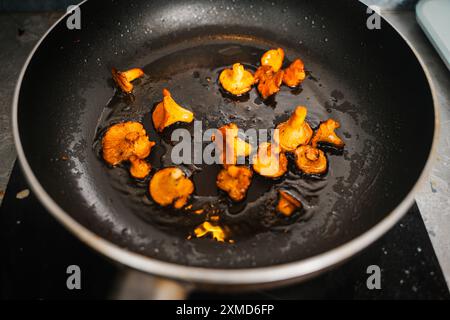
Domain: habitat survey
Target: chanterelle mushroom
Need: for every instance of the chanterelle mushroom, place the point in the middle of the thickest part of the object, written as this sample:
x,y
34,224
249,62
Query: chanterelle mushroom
x,y
207,228
168,112
237,80
123,79
287,204
139,168
294,132
294,74
230,145
273,58
270,161
235,180
127,141
310,160
326,134
268,80
170,186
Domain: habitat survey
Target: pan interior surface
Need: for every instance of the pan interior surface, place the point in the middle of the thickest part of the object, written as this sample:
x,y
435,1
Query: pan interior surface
x,y
361,78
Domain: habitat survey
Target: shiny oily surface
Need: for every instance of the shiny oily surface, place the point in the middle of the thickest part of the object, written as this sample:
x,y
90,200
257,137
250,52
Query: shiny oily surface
x,y
191,73
386,122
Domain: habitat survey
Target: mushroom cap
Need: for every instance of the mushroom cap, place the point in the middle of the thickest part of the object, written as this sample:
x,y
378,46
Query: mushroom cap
x,y
237,80
235,180
287,204
124,140
310,160
268,81
139,168
273,58
295,131
325,133
168,112
123,79
170,186
217,232
230,145
294,74
269,161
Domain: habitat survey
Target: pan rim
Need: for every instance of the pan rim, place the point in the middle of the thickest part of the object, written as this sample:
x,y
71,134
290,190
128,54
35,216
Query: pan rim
x,y
298,270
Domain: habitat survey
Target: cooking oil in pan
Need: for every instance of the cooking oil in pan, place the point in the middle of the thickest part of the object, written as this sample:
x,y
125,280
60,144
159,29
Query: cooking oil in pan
x,y
191,74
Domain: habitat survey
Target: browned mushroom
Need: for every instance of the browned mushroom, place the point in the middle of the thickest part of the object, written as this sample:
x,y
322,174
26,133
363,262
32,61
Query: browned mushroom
x,y
294,74
123,79
270,161
268,80
170,186
230,145
214,230
237,80
168,112
127,141
139,168
294,132
273,58
235,180
310,160
287,204
326,134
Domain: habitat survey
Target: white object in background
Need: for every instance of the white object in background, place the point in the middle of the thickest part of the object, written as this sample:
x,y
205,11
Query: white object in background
x,y
434,18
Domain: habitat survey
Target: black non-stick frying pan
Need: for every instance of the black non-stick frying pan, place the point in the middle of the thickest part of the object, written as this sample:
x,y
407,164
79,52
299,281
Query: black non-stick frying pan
x,y
368,80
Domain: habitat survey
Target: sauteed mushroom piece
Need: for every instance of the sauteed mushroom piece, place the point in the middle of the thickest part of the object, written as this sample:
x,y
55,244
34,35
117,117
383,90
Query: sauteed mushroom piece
x,y
287,204
230,145
170,186
268,81
296,131
273,58
310,160
235,180
127,141
270,161
294,74
168,112
123,79
237,80
207,228
139,168
326,134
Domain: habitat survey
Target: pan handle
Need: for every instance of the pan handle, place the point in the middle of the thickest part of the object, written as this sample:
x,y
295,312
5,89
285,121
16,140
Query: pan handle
x,y
135,285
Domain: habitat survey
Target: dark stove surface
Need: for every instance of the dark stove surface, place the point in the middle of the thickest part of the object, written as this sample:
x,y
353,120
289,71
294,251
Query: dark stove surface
x,y
35,251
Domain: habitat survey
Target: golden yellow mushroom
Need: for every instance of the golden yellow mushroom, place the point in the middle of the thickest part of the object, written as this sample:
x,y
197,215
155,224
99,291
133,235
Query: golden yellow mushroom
x,y
207,228
294,74
268,81
270,161
287,204
310,160
127,141
237,80
326,134
294,132
273,58
170,186
123,79
168,112
235,180
230,145
139,168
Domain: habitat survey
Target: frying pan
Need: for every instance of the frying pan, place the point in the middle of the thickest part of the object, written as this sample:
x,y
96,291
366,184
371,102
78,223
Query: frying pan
x,y
369,80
